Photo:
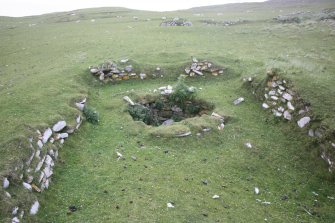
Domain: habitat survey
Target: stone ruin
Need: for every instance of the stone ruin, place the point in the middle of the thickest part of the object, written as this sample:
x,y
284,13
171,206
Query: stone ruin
x,y
176,22
284,103
172,117
169,106
110,71
212,22
36,172
203,67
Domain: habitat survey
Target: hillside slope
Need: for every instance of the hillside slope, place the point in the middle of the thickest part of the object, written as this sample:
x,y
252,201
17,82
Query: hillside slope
x,y
44,64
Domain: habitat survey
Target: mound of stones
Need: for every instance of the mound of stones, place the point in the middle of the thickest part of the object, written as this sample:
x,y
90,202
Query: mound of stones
x,y
211,22
110,71
176,22
300,16
287,19
200,68
284,103
34,175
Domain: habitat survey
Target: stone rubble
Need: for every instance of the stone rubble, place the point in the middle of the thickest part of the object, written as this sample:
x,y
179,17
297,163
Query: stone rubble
x,y
110,71
176,22
284,103
238,101
203,67
38,169
282,100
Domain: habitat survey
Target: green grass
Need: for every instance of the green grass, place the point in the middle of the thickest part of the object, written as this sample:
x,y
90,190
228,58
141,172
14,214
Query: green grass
x,y
43,68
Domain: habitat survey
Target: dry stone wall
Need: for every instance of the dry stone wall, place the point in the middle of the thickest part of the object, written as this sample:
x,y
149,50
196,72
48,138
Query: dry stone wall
x,y
279,98
176,22
110,71
35,174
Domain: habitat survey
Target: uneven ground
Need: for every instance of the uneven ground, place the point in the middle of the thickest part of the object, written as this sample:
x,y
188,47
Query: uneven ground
x,y
43,68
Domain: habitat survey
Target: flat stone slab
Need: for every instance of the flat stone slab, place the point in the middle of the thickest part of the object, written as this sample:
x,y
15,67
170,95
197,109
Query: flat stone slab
x,y
59,126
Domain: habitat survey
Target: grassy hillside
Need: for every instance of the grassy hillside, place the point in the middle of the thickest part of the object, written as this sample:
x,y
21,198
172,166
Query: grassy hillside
x,y
43,68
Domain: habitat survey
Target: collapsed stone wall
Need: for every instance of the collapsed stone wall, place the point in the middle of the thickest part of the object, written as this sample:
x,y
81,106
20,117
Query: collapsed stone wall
x,y
36,172
200,68
112,72
278,97
176,22
212,22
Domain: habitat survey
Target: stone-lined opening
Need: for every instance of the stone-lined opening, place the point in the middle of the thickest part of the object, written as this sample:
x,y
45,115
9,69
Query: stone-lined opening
x,y
171,105
162,110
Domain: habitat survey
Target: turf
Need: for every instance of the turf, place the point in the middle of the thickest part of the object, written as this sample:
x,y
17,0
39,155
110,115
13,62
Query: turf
x,y
43,68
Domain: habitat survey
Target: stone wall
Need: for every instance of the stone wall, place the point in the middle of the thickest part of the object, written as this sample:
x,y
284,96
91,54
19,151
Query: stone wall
x,y
279,98
176,22
35,174
110,71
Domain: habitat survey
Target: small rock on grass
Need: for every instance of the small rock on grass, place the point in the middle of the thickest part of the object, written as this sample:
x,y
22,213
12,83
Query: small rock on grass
x,y
34,208
256,190
119,155
221,126
265,106
284,197
205,181
5,183
248,145
170,205
216,196
72,208
266,202
238,101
